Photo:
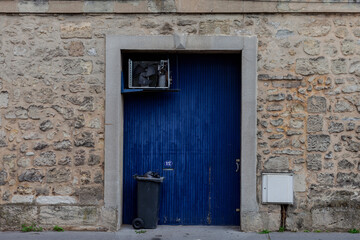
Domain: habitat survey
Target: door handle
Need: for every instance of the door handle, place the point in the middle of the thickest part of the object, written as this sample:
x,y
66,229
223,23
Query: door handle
x,y
237,165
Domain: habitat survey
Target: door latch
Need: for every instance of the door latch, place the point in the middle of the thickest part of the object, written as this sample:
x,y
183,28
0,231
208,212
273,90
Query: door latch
x,y
237,165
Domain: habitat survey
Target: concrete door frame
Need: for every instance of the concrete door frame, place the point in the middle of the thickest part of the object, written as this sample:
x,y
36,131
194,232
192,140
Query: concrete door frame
x,y
114,121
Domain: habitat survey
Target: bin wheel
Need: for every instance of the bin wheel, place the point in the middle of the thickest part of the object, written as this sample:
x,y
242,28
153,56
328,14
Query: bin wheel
x,y
138,223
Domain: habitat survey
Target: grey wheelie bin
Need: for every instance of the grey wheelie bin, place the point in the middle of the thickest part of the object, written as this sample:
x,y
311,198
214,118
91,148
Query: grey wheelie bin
x,y
148,196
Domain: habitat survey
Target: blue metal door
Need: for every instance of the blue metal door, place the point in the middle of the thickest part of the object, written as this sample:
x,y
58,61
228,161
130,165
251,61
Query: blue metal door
x,y
192,138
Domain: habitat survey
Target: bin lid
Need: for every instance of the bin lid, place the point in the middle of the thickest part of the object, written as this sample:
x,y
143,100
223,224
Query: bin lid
x,y
149,176
146,179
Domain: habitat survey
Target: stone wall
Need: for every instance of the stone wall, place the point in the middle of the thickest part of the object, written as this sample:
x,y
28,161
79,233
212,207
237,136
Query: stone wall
x,y
52,113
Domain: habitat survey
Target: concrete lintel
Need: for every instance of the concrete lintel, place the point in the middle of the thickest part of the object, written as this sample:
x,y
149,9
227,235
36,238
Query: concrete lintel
x,y
176,6
246,45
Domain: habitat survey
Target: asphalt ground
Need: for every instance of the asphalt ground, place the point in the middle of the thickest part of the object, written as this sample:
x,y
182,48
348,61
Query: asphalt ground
x,y
176,233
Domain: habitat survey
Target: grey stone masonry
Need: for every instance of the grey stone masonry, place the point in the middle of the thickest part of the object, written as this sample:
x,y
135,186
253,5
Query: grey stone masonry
x,y
316,104
61,107
318,143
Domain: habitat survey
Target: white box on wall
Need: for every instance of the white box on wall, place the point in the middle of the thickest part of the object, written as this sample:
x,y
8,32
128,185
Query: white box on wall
x,y
278,188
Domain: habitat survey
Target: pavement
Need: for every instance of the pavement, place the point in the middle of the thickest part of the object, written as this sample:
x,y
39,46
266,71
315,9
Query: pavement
x,y
177,233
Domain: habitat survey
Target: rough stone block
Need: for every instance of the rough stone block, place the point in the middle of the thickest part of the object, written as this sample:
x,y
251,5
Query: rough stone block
x,y
314,123
32,136
332,218
281,144
63,190
339,66
355,68
77,66
40,145
86,103
4,99
319,143
58,175
348,47
34,112
313,162
9,161
299,182
276,97
351,89
3,177
316,104
62,145
315,28
26,125
310,66
90,195
108,218
286,84
93,160
71,30
53,200
284,33
45,159
214,27
343,106
24,162
85,139
277,122
299,161
341,32
293,132
67,113
329,155
276,136
85,177
79,121
75,49
3,141
31,175
289,152
68,215
275,107
22,199
335,127
311,46
10,115
295,123
65,161
345,164
277,163
351,146
98,178
347,179
94,123
24,190
12,216
326,179
21,113
79,157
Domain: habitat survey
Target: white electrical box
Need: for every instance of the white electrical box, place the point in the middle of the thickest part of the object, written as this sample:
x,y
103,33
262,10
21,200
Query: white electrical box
x,y
278,188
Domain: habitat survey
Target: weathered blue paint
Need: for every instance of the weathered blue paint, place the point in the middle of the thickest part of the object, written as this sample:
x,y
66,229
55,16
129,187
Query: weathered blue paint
x,y
198,131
